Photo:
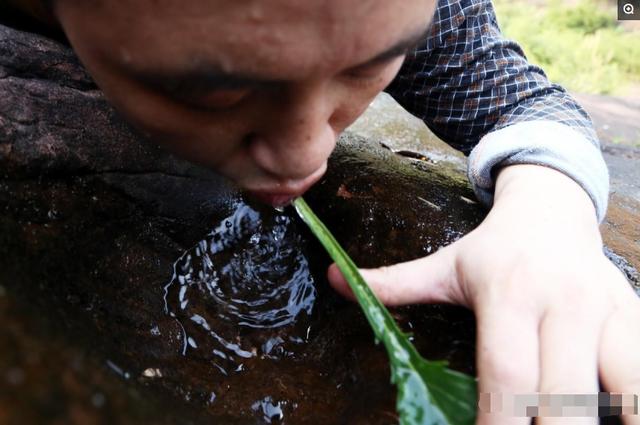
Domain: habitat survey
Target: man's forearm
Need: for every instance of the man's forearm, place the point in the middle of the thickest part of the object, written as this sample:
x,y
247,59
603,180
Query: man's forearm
x,y
541,196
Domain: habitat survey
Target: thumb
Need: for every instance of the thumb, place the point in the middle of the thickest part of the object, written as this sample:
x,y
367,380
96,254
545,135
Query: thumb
x,y
431,279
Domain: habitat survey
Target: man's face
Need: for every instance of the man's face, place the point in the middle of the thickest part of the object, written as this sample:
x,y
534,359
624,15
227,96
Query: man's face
x,y
256,89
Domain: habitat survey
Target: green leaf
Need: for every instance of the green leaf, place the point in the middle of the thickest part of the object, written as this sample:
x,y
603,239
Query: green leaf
x,y
428,391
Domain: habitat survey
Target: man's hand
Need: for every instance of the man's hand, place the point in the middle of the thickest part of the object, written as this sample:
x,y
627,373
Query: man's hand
x,y
552,312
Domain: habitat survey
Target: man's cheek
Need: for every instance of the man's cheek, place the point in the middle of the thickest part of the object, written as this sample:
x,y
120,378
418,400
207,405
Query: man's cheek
x,y
356,101
350,110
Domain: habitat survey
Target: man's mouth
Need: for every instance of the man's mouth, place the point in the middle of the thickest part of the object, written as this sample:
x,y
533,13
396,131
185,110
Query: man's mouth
x,y
274,198
282,194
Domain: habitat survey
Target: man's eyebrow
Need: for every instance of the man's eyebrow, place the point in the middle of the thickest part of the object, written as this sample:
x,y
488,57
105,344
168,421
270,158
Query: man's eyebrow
x,y
201,78
205,77
397,49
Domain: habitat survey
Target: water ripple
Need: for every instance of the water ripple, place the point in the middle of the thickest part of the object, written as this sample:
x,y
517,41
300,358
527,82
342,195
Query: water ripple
x,y
242,291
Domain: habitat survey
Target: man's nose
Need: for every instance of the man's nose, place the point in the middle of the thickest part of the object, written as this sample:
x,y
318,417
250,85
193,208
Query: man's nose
x,y
295,137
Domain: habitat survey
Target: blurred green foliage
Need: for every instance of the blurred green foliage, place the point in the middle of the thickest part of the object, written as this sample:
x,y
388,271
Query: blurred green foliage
x,y
581,46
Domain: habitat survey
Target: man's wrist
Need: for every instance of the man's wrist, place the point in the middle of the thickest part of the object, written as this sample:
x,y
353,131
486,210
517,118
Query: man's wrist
x,y
541,194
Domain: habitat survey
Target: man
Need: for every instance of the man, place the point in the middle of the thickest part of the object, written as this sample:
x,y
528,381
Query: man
x,y
259,91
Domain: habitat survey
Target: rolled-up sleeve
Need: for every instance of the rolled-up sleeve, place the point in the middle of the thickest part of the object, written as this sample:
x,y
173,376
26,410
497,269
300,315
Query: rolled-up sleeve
x,y
476,91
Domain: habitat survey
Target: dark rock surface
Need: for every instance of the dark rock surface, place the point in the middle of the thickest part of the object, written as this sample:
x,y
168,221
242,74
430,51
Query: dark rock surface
x,y
102,325
92,222
55,122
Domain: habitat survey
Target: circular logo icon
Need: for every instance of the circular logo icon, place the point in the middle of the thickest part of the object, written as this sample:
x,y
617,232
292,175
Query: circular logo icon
x,y
627,8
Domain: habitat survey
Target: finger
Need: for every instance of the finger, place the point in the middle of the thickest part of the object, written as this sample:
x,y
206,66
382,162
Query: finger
x,y
619,354
508,362
569,362
427,279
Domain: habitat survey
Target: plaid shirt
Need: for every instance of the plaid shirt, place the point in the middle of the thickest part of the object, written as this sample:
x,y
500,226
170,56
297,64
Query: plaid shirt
x,y
466,81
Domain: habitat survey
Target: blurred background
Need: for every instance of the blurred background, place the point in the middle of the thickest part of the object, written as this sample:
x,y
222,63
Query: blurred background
x,y
579,43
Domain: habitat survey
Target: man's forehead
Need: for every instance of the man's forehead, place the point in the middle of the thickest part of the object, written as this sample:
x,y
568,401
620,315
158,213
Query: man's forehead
x,y
329,11
260,36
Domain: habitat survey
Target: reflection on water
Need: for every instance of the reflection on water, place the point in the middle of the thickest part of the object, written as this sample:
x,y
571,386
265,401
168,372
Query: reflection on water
x,y
243,291
270,411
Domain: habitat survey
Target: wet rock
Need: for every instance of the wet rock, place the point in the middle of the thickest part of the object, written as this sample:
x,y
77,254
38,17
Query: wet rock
x,y
387,123
95,222
625,267
621,233
48,104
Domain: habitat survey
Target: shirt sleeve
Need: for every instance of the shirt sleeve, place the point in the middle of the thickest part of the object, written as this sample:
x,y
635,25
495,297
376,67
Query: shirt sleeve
x,y
476,91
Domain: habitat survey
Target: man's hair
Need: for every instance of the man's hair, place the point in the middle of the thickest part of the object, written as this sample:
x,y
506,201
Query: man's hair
x,y
42,10
35,16
47,5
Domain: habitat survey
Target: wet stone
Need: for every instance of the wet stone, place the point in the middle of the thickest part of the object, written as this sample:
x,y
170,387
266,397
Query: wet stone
x,y
137,288
142,289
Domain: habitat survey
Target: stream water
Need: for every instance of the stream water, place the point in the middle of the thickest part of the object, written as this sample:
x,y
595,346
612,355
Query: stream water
x,y
246,275
168,299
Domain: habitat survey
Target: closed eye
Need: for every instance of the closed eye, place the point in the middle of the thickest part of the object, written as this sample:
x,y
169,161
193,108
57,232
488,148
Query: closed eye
x,y
215,99
370,74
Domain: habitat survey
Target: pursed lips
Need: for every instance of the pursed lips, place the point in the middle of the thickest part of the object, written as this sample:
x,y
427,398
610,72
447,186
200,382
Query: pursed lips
x,y
282,193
